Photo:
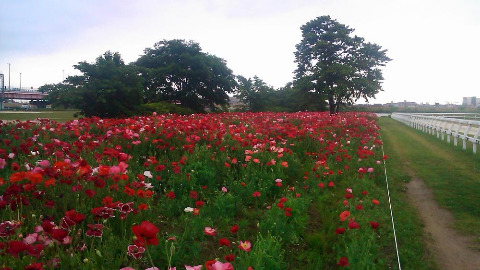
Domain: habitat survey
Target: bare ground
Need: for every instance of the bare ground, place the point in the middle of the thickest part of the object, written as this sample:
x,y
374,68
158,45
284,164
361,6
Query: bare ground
x,y
450,249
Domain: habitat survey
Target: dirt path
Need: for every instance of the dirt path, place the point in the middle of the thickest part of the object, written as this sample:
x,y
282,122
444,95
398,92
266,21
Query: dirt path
x,y
451,250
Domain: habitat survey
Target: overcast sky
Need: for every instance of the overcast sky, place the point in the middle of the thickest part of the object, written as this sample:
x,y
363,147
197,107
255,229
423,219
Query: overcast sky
x,y
434,44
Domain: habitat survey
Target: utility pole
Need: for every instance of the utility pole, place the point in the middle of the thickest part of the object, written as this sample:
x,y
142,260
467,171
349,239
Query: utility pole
x,y
8,76
2,83
20,81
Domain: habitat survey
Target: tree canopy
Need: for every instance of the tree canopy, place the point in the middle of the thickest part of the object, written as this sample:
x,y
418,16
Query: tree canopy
x,y
178,71
107,88
340,67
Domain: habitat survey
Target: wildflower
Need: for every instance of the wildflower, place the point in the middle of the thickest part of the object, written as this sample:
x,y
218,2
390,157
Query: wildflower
x,y
375,202
256,194
373,225
34,266
148,174
343,262
197,267
59,234
135,251
193,194
224,189
146,233
229,257
7,228
171,195
224,242
209,231
245,245
353,225
278,182
94,230
199,204
344,215
103,212
222,266
234,229
340,231
30,239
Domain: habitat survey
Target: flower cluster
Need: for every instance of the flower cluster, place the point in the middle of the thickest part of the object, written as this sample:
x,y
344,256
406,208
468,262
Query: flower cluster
x,y
203,191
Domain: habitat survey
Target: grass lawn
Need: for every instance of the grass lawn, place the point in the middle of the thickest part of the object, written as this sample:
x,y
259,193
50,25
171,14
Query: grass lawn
x,y
452,173
59,116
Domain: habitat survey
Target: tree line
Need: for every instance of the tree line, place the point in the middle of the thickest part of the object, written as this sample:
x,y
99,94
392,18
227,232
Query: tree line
x,y
334,68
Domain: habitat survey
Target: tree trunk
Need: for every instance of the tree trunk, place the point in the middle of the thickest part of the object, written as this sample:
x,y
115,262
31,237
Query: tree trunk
x,y
332,105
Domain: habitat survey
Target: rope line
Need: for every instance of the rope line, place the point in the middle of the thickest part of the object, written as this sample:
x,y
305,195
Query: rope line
x,y
391,212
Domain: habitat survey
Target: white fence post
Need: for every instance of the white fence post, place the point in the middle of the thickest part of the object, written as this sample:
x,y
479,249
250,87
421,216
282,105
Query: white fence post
x,y
447,124
465,136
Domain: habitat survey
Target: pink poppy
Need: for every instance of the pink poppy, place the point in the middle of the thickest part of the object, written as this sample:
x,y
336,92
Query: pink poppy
x,y
245,245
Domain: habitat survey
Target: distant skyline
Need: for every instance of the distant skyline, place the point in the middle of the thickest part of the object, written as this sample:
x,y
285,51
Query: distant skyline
x,y
433,44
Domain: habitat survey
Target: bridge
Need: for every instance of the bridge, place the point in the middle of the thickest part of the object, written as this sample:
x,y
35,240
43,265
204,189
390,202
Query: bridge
x,y
24,95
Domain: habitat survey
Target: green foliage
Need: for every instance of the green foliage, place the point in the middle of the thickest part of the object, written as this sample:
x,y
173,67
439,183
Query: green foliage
x,y
107,88
163,107
61,95
178,71
339,67
266,253
255,93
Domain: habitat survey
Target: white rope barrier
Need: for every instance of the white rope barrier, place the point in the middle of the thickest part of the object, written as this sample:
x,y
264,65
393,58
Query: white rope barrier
x,y
391,211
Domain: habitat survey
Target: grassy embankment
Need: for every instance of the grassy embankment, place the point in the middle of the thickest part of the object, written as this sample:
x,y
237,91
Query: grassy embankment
x,y
59,116
451,173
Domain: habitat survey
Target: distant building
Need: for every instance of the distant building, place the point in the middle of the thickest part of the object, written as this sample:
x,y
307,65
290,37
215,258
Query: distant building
x,y
471,101
405,103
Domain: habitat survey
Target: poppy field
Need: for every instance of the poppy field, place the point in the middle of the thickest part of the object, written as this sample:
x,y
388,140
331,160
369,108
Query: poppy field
x,y
204,191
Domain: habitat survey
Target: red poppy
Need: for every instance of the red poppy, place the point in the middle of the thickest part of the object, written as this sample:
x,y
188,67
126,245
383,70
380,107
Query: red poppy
x,y
343,262
373,225
224,242
199,204
135,251
340,231
344,215
16,247
146,233
353,225
34,266
208,264
7,228
59,234
142,206
171,195
234,229
229,257
94,230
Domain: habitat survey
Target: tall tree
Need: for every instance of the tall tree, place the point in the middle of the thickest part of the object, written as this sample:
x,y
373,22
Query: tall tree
x,y
340,67
107,88
61,95
255,93
178,71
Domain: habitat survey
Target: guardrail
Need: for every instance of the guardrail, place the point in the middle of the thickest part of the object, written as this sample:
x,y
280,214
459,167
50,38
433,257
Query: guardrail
x,y
444,125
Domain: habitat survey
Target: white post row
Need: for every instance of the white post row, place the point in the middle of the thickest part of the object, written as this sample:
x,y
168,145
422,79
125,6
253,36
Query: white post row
x,y
445,124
